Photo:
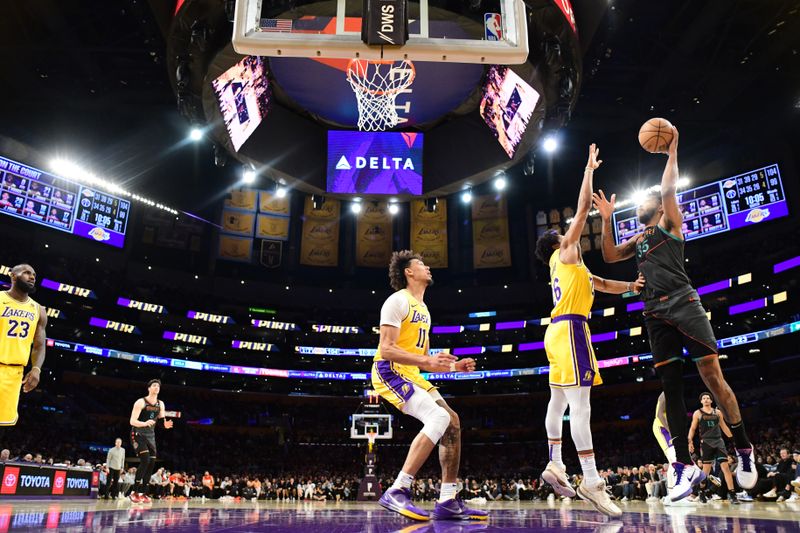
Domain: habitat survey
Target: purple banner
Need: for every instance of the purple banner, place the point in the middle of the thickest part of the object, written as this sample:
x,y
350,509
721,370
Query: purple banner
x,y
786,265
69,289
747,306
374,162
437,330
714,287
116,326
185,337
603,337
638,306
758,214
526,346
510,325
469,350
141,306
96,233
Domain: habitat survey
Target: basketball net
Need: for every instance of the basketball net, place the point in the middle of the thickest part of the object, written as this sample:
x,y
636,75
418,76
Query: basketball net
x,y
376,85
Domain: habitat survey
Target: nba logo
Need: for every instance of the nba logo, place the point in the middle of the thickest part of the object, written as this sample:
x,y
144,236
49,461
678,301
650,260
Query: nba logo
x,y
494,26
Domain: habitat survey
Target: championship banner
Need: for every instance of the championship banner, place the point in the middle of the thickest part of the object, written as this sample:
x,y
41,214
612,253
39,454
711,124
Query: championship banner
x,y
491,247
238,223
243,200
429,233
271,204
320,242
374,235
272,227
233,248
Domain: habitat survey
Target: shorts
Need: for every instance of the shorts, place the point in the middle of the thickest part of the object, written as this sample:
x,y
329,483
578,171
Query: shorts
x,y
10,385
567,342
396,385
714,451
678,321
143,443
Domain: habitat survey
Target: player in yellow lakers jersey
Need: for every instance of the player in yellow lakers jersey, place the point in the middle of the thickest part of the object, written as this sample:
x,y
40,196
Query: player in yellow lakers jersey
x,y
22,326
403,351
573,367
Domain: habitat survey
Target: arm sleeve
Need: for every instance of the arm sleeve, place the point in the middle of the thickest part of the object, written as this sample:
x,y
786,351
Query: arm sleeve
x,y
394,310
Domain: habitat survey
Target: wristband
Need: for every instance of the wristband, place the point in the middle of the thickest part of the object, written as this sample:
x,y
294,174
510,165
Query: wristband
x,y
452,367
629,287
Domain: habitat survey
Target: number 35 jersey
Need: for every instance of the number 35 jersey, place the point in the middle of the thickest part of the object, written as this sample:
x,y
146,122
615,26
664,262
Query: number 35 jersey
x,y
18,322
573,288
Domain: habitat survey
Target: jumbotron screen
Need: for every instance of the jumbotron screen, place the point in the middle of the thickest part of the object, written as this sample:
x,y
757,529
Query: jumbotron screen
x,y
721,206
61,204
361,162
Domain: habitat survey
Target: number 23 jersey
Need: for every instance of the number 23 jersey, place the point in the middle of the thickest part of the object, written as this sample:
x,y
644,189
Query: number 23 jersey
x,y
18,321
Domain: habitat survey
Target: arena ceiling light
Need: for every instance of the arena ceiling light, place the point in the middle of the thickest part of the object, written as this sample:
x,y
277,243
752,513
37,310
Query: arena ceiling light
x,y
500,183
248,175
466,196
72,171
550,144
281,191
355,207
196,134
394,208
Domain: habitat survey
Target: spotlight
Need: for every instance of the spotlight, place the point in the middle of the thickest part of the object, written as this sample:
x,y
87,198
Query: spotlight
x,y
280,190
431,204
317,201
500,183
196,134
466,196
550,144
355,207
394,209
638,197
684,182
248,175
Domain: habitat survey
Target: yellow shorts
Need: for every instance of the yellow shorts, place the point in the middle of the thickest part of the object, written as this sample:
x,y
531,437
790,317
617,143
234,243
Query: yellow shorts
x,y
10,385
568,344
395,384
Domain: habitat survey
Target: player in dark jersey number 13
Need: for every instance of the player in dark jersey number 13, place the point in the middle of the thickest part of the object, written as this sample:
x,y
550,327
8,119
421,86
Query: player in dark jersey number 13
x,y
146,413
710,424
675,319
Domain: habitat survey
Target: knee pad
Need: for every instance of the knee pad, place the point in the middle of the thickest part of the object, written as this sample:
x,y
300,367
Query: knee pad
x,y
435,419
436,423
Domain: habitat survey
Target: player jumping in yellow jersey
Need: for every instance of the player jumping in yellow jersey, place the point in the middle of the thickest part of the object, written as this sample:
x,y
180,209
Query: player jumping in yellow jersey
x,y
404,350
22,325
573,367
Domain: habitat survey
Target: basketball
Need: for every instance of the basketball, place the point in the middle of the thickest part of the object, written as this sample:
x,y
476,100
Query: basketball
x,y
655,135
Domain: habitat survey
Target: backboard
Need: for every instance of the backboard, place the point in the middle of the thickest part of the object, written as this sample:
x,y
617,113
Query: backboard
x,y
496,34
362,424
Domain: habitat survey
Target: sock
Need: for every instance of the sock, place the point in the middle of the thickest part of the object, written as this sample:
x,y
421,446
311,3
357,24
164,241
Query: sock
x,y
554,446
403,481
739,436
448,492
589,468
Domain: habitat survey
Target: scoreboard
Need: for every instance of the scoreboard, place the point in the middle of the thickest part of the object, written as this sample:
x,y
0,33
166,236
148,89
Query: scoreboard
x,y
58,203
721,206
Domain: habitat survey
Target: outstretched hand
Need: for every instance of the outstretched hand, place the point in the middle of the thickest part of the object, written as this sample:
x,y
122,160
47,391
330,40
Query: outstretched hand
x,y
593,163
672,149
603,205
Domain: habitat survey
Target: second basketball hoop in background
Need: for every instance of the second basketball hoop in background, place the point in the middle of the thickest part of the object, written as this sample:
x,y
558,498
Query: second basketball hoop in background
x,y
376,84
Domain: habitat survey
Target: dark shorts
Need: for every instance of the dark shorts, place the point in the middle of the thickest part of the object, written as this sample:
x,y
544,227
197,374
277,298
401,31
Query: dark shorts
x,y
143,443
714,451
676,322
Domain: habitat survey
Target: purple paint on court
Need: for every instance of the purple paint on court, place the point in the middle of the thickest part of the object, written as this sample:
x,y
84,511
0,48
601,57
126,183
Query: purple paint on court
x,y
311,517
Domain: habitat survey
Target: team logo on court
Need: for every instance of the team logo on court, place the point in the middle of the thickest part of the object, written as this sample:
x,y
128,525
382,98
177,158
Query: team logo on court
x,y
757,215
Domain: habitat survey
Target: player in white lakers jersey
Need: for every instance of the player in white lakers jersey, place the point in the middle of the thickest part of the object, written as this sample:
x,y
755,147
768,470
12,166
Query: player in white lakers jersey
x,y
573,367
404,350
22,326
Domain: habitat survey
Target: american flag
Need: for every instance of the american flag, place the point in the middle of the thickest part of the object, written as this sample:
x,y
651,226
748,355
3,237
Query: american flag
x,y
275,25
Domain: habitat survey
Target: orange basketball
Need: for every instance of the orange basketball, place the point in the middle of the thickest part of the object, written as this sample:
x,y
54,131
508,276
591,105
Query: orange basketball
x,y
655,135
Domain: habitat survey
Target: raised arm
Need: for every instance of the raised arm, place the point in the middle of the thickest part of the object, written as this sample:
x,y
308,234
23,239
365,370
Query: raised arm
x,y
612,286
672,219
573,234
31,380
612,253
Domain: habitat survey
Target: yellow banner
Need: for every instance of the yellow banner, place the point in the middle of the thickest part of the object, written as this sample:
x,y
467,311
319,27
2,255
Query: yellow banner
x,y
270,227
490,237
269,203
238,222
233,248
244,199
374,235
320,243
429,233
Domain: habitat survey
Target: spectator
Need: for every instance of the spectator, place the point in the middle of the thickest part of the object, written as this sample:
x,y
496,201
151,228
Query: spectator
x,y
115,460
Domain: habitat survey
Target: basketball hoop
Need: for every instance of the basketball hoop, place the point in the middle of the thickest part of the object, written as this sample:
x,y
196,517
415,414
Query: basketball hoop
x,y
377,84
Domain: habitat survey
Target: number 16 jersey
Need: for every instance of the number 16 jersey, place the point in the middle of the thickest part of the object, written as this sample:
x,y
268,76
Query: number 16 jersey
x,y
573,288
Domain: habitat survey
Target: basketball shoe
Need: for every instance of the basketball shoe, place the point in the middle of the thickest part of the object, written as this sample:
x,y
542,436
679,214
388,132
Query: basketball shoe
x,y
399,501
746,474
686,477
456,510
595,493
556,476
